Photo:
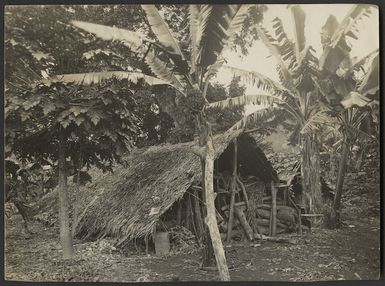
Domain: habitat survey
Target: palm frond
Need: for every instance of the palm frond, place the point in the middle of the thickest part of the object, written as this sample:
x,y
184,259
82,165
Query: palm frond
x,y
359,63
98,77
160,69
355,99
271,44
222,23
194,20
243,100
129,38
370,84
318,119
286,46
299,17
162,32
260,115
205,12
235,23
334,36
258,80
348,24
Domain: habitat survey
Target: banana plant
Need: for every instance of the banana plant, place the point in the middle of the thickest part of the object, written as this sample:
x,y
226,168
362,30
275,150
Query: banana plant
x,y
310,89
187,71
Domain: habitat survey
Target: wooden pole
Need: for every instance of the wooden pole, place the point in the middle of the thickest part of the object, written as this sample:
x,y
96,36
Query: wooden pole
x,y
242,219
233,185
244,192
211,219
198,215
191,214
273,216
188,210
179,213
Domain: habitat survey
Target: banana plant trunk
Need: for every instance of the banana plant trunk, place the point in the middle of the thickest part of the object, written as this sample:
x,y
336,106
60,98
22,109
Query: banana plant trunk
x,y
64,220
310,171
336,209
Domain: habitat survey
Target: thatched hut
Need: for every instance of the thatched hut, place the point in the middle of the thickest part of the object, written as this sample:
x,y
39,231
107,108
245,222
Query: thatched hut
x,y
131,201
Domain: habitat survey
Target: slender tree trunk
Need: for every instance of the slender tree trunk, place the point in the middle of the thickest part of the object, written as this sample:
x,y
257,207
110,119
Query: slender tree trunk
x,y
208,251
233,184
336,210
76,194
211,219
65,232
311,170
273,215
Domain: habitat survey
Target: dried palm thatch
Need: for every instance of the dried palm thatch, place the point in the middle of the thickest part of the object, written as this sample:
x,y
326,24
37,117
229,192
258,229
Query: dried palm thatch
x,y
130,201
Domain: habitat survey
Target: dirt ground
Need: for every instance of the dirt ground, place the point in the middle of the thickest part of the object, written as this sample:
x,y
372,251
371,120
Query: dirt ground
x,y
352,252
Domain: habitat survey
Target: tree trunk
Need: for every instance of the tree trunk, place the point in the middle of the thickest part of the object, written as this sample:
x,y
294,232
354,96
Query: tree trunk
x,y
211,219
233,184
208,251
310,170
76,194
273,215
336,210
65,233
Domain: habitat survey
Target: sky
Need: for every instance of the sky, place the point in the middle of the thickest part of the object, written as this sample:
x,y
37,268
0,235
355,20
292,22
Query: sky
x,y
316,14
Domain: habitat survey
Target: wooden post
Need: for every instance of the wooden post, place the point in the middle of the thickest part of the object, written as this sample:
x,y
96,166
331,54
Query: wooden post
x,y
191,214
336,208
198,215
188,210
273,216
233,185
211,219
179,213
244,192
242,219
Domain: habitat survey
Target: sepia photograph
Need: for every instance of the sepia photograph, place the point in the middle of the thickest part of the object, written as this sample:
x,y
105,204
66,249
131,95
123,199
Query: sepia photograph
x,y
192,142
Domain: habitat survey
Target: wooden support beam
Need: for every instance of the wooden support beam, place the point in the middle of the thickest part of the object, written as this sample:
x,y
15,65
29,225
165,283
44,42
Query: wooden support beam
x,y
233,185
273,217
244,192
242,219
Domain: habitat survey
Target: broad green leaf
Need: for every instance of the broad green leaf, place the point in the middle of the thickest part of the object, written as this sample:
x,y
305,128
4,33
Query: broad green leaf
x,y
194,20
257,79
129,38
371,81
162,31
333,37
97,77
94,116
48,107
258,99
298,16
79,120
274,51
160,69
355,99
65,123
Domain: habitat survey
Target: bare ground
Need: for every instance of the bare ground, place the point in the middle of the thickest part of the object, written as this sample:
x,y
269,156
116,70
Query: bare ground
x,y
351,252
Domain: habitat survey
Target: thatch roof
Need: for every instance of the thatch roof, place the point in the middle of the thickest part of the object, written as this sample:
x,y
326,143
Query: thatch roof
x,y
131,200
285,158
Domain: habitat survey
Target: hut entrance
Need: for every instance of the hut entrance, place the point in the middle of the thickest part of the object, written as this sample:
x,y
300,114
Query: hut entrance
x,y
250,201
